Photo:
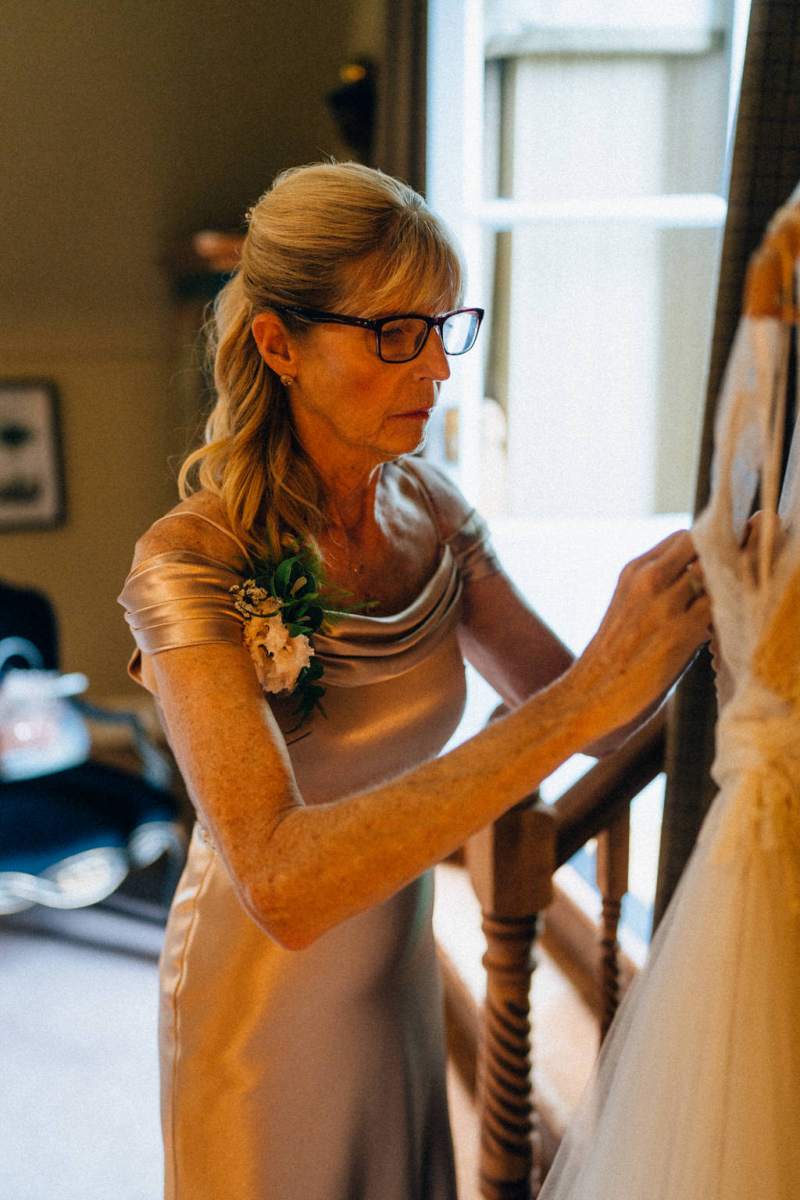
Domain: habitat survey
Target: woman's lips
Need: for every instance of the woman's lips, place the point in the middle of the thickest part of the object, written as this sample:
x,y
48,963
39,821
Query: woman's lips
x,y
417,413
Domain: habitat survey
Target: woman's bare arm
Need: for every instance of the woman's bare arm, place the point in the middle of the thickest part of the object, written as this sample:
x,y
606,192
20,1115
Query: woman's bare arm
x,y
507,641
300,870
518,653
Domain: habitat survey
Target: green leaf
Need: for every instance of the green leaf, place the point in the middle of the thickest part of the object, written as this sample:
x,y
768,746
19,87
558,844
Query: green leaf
x,y
309,586
314,616
282,575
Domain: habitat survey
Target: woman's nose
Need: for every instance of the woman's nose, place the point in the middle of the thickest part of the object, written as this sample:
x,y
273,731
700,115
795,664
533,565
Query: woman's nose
x,y
432,360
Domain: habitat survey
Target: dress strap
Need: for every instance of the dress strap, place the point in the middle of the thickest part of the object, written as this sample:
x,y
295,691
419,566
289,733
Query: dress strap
x,y
209,521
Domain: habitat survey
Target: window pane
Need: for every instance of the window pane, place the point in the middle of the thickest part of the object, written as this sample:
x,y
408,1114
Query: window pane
x,y
599,325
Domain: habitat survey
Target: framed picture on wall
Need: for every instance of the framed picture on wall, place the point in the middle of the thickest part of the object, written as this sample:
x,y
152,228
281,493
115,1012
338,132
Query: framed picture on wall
x,y
31,455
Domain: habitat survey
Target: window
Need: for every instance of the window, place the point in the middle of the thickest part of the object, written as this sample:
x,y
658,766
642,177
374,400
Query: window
x,y
578,151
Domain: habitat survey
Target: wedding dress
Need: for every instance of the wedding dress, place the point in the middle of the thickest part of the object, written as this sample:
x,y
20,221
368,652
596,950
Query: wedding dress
x,y
696,1092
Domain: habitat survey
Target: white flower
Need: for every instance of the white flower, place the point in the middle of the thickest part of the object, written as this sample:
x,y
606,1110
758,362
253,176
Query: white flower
x,y
253,601
278,658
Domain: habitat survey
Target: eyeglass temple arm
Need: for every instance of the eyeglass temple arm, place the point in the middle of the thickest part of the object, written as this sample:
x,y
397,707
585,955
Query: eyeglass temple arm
x,y
319,314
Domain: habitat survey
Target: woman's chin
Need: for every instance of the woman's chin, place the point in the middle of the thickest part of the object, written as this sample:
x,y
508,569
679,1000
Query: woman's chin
x,y
415,442
411,431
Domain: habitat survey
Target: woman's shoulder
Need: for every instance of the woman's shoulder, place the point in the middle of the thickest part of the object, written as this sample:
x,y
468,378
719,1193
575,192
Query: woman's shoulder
x,y
458,523
450,508
198,524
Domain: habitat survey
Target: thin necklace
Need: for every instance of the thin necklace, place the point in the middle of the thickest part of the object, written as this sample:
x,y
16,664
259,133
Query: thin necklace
x,y
356,568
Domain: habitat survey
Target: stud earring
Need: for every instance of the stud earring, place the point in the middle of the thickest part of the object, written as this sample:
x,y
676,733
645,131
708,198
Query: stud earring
x,y
287,380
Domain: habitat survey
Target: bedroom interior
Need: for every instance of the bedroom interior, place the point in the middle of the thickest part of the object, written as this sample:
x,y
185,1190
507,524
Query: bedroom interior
x,y
138,137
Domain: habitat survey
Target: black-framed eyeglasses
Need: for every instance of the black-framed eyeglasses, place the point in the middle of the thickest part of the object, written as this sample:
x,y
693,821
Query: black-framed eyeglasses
x,y
402,336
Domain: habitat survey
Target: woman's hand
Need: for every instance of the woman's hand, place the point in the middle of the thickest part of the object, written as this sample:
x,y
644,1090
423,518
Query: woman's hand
x,y
658,617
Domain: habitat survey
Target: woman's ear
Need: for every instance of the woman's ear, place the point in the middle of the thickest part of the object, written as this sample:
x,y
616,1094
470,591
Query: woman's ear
x,y
274,343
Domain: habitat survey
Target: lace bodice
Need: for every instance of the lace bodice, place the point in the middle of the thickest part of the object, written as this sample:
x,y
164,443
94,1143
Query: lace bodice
x,y
756,599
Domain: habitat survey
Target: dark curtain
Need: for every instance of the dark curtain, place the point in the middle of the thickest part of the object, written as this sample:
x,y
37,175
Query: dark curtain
x,y
764,171
402,92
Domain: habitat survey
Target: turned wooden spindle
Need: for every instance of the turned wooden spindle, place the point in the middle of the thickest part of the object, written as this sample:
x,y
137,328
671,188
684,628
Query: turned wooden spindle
x,y
511,864
613,846
509,1133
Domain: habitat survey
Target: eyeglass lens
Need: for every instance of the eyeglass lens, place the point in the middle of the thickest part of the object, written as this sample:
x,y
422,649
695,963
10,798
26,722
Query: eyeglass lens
x,y
403,339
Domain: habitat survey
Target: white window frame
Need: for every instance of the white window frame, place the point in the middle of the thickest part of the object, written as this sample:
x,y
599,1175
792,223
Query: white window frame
x,y
455,187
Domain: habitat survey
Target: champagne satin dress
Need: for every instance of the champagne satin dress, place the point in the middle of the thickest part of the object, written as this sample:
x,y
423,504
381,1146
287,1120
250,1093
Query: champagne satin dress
x,y
316,1074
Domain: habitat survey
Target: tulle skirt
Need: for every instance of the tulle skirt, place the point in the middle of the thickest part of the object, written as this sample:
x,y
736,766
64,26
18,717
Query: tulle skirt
x,y
696,1093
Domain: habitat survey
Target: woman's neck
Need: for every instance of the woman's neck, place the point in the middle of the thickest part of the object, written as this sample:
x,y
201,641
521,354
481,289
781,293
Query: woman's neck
x,y
350,494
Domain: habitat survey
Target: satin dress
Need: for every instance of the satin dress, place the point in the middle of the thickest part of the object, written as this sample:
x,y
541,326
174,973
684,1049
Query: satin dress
x,y
314,1074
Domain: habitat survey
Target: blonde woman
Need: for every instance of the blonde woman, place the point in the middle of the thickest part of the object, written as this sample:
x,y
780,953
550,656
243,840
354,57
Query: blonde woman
x,y
301,1018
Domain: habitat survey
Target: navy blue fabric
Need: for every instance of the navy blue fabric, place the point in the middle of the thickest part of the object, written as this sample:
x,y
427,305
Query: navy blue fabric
x,y
47,819
27,613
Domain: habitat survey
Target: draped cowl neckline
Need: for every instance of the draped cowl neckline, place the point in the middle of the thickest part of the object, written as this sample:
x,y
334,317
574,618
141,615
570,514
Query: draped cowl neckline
x,y
183,596
360,648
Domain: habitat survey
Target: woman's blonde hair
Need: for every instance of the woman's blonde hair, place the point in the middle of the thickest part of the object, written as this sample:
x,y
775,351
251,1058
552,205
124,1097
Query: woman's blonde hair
x,y
335,236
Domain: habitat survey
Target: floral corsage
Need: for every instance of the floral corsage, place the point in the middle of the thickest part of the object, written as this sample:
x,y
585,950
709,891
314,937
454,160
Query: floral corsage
x,y
280,604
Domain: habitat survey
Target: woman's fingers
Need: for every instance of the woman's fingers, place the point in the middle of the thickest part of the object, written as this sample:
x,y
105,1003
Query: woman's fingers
x,y
658,617
699,608
664,564
673,568
688,589
677,546
677,560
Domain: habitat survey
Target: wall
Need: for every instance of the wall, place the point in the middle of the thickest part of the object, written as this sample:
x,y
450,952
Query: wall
x,y
129,125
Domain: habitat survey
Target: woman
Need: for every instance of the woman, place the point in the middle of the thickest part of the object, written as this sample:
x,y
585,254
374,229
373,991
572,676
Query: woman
x,y
301,1021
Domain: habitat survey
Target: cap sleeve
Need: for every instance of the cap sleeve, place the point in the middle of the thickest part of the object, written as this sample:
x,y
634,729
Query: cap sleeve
x,y
460,526
179,598
473,549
